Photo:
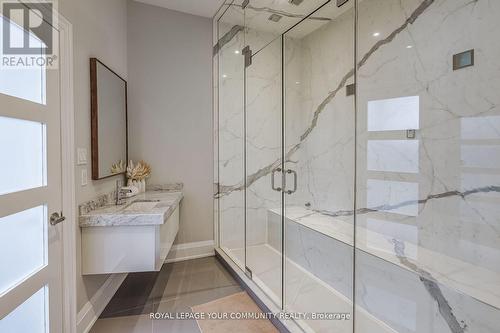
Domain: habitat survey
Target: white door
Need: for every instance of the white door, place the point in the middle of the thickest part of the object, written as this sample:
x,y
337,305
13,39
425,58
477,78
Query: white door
x,y
30,192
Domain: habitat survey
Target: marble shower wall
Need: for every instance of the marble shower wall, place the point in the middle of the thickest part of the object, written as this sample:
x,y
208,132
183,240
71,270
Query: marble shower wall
x,y
433,196
445,181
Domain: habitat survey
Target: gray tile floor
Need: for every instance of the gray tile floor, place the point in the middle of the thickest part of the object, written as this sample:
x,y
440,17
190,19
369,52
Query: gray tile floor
x,y
176,288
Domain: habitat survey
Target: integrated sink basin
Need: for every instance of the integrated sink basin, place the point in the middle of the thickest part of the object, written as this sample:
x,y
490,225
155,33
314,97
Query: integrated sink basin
x,y
141,206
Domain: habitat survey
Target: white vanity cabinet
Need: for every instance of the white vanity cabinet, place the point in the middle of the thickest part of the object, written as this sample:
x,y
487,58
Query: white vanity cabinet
x,y
128,240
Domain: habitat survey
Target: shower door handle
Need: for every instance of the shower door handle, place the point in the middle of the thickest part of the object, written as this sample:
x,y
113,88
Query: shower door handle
x,y
273,174
290,171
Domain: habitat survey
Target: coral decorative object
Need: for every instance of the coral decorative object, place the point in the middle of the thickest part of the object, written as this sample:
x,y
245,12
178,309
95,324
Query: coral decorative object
x,y
137,174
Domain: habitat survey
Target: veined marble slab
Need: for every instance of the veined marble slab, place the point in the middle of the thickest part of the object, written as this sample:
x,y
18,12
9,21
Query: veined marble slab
x,y
477,282
149,208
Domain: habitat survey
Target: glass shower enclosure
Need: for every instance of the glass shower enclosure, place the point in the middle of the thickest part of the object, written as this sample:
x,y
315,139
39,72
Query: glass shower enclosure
x,y
358,160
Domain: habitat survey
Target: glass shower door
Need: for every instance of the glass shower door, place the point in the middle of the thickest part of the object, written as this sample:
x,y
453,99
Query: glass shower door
x,y
265,23
231,133
263,169
319,150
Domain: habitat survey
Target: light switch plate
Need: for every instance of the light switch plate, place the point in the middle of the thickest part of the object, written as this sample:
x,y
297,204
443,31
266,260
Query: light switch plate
x,y
81,156
84,177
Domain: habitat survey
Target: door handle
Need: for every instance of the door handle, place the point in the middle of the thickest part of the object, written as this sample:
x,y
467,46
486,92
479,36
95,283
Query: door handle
x,y
290,171
278,189
57,218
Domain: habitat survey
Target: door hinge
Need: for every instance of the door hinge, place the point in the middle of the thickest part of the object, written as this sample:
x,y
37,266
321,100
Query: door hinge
x,y
247,52
351,89
248,272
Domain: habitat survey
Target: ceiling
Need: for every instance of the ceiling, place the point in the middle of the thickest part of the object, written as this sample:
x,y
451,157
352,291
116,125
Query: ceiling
x,y
206,8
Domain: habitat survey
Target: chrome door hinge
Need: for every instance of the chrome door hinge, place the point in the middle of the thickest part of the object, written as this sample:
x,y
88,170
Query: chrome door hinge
x,y
248,272
247,52
351,89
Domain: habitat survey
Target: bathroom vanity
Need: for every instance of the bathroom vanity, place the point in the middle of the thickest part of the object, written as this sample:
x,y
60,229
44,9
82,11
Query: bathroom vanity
x,y
134,237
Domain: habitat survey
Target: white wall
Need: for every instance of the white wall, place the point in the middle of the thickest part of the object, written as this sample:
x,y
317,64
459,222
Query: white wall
x,y
170,107
100,30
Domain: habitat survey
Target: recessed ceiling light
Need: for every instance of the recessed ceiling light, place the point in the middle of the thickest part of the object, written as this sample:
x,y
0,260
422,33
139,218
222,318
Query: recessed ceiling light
x,y
297,82
224,76
409,46
376,34
236,52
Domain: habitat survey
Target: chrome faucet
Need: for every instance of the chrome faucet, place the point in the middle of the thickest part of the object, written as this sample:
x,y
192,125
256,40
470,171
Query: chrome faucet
x,y
121,192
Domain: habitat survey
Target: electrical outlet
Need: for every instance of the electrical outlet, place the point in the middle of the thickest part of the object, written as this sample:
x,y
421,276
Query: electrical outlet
x,y
84,177
81,156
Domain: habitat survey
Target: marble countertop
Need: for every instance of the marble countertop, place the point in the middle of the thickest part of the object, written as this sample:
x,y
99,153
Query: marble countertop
x,y
149,208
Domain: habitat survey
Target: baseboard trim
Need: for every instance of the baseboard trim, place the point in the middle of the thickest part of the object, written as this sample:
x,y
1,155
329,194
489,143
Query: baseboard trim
x,y
188,251
91,311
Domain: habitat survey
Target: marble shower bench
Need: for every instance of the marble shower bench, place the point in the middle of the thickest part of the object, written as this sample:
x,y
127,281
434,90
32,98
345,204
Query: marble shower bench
x,y
134,237
415,285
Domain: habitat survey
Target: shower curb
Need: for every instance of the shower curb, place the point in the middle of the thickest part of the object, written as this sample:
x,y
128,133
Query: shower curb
x,y
276,322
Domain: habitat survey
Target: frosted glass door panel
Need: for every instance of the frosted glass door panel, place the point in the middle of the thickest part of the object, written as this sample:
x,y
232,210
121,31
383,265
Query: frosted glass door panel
x,y
22,82
22,144
29,317
23,246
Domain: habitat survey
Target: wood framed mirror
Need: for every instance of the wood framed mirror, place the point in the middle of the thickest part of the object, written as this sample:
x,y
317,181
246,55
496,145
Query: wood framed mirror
x,y
108,121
